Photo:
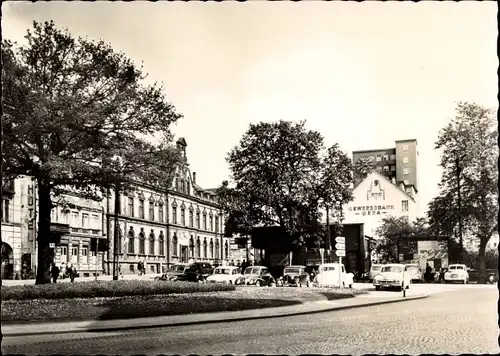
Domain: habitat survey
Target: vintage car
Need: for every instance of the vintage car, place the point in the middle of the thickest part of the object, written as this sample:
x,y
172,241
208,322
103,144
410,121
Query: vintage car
x,y
329,275
225,274
456,273
374,270
296,276
392,276
197,272
173,273
257,276
416,275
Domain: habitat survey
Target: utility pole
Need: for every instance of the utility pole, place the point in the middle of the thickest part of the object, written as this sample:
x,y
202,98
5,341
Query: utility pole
x,y
458,171
328,242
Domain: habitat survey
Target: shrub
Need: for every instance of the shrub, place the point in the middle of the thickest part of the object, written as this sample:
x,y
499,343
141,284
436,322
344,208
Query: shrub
x,y
101,289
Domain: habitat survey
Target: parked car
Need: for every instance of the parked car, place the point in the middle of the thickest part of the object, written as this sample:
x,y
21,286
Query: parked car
x,y
225,274
296,276
392,276
173,273
374,270
257,276
456,273
328,275
416,274
197,272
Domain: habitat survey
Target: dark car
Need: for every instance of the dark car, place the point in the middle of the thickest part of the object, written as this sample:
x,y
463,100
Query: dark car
x,y
174,273
256,276
296,276
197,272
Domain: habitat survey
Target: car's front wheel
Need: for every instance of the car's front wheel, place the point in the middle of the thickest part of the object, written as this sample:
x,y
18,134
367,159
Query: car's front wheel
x,y
257,284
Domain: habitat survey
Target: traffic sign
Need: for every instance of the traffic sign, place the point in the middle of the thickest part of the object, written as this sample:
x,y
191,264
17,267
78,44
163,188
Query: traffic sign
x,y
340,239
52,245
340,246
340,253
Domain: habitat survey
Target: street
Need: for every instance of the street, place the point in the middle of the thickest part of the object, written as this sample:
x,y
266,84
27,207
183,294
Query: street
x,y
454,319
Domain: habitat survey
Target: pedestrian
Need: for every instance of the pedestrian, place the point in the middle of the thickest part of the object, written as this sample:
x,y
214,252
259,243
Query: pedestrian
x,y
54,271
244,264
428,273
72,273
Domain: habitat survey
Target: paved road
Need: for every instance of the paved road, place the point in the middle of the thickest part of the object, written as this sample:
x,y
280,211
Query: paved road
x,y
453,321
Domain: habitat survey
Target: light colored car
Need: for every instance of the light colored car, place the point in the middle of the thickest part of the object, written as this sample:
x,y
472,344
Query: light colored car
x,y
256,276
225,274
416,275
374,270
392,276
456,273
328,275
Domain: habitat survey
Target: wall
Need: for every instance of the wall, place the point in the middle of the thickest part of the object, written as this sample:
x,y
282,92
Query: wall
x,y
374,201
411,153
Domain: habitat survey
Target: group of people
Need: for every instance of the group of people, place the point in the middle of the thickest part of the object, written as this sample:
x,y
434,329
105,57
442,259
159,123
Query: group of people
x,y
243,265
142,268
434,276
70,272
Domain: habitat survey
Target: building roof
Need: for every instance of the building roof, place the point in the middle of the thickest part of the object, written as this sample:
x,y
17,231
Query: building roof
x,y
388,180
375,150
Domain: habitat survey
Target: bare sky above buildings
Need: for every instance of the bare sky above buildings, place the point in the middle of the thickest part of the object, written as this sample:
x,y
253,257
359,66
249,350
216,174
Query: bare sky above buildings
x,y
363,74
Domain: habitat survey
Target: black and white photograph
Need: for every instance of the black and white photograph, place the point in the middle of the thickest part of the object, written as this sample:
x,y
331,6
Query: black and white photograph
x,y
249,177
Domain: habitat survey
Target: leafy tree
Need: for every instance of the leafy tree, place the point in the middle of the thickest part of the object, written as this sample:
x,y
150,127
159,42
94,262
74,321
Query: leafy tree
x,y
363,167
72,107
283,175
394,230
468,145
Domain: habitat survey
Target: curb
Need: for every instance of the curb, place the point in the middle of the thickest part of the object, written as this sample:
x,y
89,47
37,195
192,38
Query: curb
x,y
213,321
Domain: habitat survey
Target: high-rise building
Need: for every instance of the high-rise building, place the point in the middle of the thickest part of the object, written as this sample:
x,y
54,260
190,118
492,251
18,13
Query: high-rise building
x,y
399,164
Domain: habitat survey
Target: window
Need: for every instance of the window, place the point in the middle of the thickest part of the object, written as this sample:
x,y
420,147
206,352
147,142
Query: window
x,y
405,159
406,171
393,168
161,242
85,220
131,206
174,214
378,169
141,208
151,244
386,168
405,147
379,158
409,191
174,245
65,217
198,249
151,211
6,211
406,182
64,250
188,188
191,218
198,219
85,251
216,224
205,248
386,157
177,184
211,249
95,222
204,221
191,247
74,251
211,223
53,215
131,239
404,205
183,216
217,251
131,268
393,157
160,212
74,219
183,186
142,243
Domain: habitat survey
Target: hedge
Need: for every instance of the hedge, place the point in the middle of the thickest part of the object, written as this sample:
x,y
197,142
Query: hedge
x,y
96,289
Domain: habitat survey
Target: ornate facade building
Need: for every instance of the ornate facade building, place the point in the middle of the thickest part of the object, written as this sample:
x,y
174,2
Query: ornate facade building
x,y
159,228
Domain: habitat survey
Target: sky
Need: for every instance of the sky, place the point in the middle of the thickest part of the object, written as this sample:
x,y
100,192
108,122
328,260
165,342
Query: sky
x,y
363,74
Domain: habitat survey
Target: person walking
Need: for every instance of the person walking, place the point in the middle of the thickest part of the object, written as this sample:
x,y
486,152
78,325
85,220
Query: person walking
x,y
72,273
54,271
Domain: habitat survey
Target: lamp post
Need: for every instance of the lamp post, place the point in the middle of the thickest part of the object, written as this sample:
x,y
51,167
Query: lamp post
x,y
116,214
328,242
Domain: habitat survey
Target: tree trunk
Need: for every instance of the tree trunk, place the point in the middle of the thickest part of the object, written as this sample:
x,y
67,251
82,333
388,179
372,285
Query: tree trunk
x,y
482,263
45,254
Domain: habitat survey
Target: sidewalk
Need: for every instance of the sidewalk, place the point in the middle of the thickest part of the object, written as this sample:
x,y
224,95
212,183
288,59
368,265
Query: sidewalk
x,y
202,318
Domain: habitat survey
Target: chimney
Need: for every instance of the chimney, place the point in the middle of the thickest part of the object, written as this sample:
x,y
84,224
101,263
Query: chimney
x,y
194,177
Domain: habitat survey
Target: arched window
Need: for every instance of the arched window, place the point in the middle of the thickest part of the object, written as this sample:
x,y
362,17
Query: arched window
x,y
198,252
161,243
204,220
120,241
191,247
205,248
174,245
151,244
211,249
142,243
217,250
226,250
131,239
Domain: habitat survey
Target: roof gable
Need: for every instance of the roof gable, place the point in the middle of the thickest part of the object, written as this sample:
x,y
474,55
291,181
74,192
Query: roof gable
x,y
378,184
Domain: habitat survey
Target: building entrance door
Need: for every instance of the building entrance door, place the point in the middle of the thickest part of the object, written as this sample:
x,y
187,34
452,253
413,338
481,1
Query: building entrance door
x,y
7,262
